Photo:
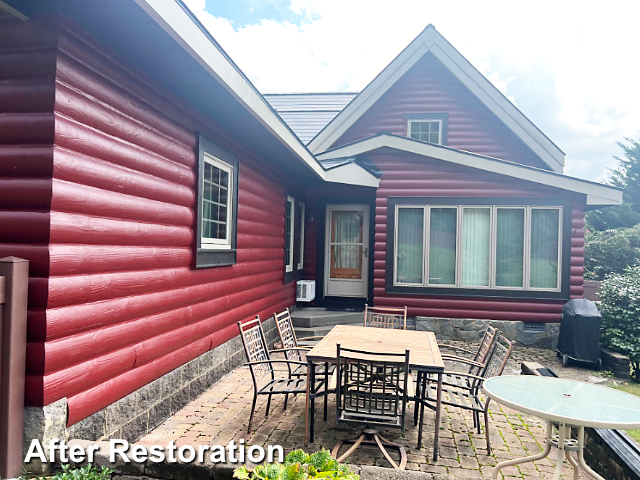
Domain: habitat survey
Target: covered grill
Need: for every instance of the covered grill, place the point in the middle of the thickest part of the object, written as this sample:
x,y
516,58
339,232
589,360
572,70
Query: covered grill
x,y
579,338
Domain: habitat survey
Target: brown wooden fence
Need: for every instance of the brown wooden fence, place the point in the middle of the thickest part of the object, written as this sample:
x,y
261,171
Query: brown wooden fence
x,y
14,278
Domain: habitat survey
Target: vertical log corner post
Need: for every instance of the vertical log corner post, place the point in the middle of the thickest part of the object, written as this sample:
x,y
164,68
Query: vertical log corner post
x,y
14,278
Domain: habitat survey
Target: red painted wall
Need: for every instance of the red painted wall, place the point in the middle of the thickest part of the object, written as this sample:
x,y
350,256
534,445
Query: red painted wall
x,y
114,300
429,87
27,70
412,176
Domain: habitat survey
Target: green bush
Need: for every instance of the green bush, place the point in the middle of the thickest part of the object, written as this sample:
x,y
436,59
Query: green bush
x,y
620,307
88,472
610,251
299,466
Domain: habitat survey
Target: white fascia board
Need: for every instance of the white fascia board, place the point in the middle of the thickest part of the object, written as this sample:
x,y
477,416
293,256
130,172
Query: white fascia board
x,y
508,113
597,194
352,174
180,26
365,99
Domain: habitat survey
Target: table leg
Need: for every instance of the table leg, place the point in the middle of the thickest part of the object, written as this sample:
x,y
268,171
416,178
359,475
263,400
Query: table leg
x,y
436,435
420,407
306,406
416,408
581,455
532,458
326,389
572,462
562,433
311,379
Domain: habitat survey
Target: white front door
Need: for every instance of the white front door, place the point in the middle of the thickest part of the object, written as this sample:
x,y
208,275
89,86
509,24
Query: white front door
x,y
346,264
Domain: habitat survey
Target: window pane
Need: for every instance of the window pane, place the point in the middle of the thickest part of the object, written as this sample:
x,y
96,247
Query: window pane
x,y
544,248
476,237
410,245
442,246
346,261
287,234
510,247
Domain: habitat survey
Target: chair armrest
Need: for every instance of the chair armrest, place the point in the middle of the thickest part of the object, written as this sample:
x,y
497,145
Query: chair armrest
x,y
319,337
259,362
458,349
292,349
453,358
463,374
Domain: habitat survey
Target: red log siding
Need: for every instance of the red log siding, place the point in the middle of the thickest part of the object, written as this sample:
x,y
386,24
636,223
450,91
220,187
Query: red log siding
x,y
121,304
429,87
28,62
410,176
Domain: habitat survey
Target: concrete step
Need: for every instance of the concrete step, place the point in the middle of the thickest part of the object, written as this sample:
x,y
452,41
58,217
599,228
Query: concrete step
x,y
320,317
321,331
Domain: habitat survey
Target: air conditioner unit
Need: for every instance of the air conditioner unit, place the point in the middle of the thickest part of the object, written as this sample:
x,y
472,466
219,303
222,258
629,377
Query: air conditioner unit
x,y
305,290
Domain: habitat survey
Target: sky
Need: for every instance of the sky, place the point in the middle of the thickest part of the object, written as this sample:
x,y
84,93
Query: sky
x,y
570,66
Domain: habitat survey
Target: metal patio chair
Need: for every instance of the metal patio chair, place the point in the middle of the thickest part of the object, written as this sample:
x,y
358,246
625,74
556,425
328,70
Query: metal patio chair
x,y
293,351
466,393
385,317
290,346
477,358
371,388
261,365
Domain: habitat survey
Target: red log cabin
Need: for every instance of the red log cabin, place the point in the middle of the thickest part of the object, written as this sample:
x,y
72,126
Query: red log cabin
x,y
160,198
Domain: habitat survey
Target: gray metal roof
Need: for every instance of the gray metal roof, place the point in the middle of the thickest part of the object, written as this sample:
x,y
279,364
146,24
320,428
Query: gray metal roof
x,y
308,113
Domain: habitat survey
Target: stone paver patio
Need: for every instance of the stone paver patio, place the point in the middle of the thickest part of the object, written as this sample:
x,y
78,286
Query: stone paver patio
x,y
221,414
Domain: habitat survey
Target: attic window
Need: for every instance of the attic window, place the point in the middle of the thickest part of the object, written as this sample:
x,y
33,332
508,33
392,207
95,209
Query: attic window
x,y
428,127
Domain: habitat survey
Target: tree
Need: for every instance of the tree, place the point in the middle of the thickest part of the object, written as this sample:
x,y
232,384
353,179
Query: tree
x,y
610,251
627,177
619,305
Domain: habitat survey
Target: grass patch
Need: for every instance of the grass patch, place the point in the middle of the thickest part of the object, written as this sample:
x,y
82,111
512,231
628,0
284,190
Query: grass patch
x,y
633,389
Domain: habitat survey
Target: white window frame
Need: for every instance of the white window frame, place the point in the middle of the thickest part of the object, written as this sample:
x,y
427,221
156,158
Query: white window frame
x,y
289,261
526,281
219,243
301,209
439,121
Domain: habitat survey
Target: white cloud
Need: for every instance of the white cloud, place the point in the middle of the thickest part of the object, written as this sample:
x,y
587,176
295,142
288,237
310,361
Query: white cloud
x,y
569,66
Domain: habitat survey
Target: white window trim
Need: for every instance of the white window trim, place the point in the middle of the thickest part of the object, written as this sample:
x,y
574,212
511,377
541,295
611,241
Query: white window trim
x,y
439,121
300,264
292,202
219,243
526,283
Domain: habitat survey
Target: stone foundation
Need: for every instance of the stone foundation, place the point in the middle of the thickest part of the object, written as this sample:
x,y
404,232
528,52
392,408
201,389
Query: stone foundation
x,y
140,412
540,335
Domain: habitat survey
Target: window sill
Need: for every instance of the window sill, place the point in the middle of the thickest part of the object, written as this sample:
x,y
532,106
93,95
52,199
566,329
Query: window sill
x,y
478,292
208,257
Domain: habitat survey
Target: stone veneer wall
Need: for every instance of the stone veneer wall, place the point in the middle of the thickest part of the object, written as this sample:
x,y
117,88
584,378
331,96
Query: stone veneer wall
x,y
601,457
140,412
540,335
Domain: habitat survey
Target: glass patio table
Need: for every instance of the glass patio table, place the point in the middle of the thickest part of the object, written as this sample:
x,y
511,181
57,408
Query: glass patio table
x,y
569,404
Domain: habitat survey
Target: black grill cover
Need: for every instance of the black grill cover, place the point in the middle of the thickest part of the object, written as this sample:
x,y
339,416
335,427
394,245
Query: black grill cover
x,y
580,330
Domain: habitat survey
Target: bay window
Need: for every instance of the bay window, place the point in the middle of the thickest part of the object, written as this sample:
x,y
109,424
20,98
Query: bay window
x,y
475,247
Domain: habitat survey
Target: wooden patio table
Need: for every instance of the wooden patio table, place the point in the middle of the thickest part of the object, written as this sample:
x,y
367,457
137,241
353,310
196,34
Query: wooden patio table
x,y
424,356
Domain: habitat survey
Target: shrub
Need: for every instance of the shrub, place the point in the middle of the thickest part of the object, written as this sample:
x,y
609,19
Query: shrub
x,y
88,472
610,251
298,465
620,307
